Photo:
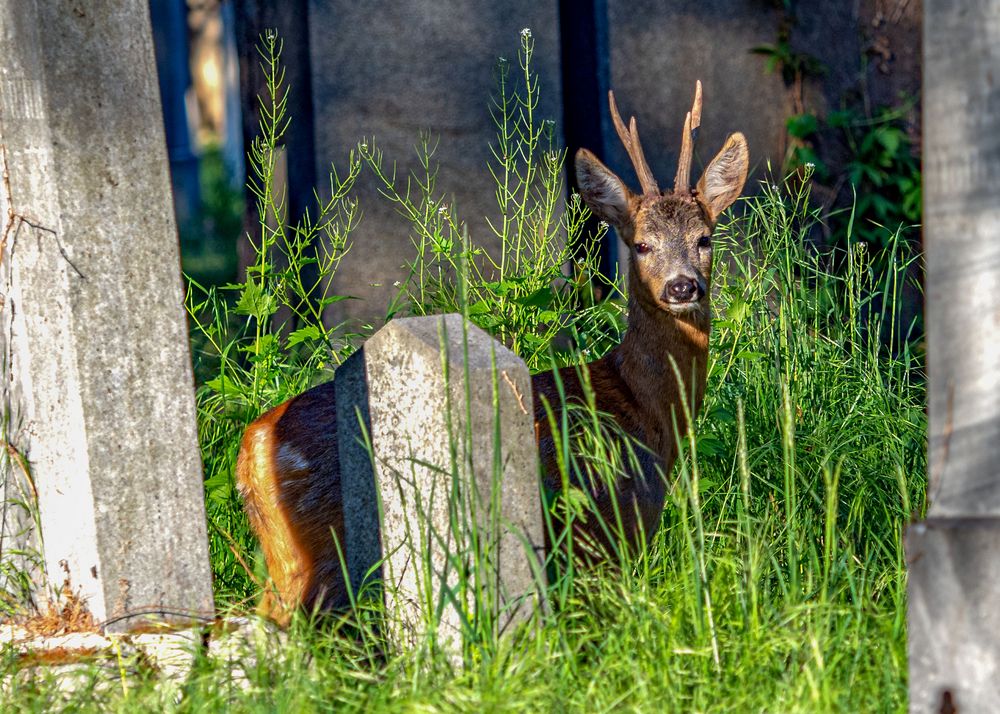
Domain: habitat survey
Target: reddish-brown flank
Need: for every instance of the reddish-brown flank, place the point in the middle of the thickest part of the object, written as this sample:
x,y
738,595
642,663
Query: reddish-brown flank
x,y
288,473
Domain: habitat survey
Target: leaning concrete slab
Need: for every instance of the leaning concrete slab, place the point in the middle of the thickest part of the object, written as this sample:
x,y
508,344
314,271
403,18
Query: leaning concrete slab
x,y
962,244
954,556
455,476
96,387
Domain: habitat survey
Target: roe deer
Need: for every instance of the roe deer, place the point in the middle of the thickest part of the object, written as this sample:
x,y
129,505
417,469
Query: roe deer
x,y
668,235
288,470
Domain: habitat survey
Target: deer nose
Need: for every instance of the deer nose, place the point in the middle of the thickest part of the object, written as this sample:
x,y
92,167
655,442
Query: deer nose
x,y
683,289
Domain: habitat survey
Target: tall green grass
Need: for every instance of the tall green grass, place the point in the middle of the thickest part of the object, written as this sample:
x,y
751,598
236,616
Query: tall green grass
x,y
776,581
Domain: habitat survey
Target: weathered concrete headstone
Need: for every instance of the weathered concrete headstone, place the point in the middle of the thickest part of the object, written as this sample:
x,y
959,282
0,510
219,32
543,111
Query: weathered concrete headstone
x,y
96,384
954,555
391,70
455,475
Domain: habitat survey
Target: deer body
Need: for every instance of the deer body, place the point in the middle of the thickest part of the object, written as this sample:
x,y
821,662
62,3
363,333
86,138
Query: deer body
x,y
636,385
288,471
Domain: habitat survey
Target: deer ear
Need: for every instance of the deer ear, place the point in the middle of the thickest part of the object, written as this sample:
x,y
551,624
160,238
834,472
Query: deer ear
x,y
605,193
723,180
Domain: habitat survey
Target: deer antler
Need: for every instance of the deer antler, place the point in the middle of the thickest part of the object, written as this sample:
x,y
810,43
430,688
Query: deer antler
x,y
691,123
630,138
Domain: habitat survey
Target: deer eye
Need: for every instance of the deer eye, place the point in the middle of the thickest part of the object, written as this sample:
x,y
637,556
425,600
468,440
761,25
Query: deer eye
x,y
705,242
641,248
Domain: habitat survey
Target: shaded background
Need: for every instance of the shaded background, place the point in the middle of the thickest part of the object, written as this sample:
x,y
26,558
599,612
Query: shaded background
x,y
832,84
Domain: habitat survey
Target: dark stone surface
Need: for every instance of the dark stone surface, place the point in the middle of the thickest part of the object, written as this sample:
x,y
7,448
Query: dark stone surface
x,y
659,50
391,70
357,480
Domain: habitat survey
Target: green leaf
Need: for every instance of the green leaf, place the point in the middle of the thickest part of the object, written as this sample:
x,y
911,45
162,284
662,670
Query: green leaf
x,y
222,385
704,483
840,118
330,300
255,302
764,50
305,333
891,138
802,126
721,415
708,445
540,298
479,308
737,310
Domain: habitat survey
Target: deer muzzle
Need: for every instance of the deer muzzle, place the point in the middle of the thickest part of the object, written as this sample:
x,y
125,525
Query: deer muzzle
x,y
683,290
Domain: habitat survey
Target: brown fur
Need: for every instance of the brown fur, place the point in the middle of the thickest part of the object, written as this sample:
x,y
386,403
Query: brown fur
x,y
288,470
288,473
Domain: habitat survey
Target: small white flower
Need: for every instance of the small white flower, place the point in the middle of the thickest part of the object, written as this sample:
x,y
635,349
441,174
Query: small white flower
x,y
603,225
396,284
443,208
810,165
526,33
364,145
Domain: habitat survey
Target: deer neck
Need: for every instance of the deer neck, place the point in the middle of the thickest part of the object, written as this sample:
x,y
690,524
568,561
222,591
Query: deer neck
x,y
656,348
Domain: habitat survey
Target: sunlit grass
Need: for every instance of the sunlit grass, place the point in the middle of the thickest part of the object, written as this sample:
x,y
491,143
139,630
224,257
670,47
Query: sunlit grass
x,y
776,581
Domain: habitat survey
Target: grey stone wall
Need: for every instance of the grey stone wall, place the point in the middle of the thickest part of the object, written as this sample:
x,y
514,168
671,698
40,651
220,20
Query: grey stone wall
x,y
392,70
658,51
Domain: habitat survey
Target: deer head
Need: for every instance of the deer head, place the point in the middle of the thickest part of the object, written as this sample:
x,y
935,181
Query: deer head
x,y
668,233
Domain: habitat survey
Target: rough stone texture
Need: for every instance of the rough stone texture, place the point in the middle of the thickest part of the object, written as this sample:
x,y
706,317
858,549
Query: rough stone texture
x,y
954,556
954,620
962,240
97,383
874,40
99,662
427,65
392,70
435,417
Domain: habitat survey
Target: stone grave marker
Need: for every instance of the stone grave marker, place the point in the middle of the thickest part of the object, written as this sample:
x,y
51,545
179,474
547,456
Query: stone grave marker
x,y
448,413
96,391
953,556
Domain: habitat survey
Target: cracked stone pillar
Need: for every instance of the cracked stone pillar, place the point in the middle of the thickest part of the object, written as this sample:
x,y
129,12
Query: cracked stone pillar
x,y
954,555
96,391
